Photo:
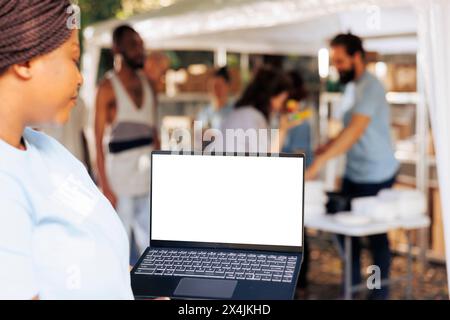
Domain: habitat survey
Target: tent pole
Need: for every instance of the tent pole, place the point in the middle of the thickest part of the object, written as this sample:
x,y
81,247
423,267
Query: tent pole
x,y
220,57
245,67
422,168
91,61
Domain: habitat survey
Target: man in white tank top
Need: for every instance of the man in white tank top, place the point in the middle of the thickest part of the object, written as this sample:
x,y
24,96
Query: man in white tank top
x,y
126,134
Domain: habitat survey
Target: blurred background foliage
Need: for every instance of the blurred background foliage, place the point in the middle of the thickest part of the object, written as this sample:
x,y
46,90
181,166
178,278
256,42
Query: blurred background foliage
x,y
95,11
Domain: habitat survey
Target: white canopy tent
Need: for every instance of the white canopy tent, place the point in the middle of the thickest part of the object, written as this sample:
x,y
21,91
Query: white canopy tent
x,y
260,26
302,27
265,26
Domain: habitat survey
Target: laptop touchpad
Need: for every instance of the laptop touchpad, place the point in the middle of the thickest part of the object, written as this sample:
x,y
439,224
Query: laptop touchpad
x,y
209,288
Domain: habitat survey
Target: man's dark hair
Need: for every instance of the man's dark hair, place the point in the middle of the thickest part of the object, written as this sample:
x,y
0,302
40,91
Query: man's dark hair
x,y
223,73
120,32
267,83
350,42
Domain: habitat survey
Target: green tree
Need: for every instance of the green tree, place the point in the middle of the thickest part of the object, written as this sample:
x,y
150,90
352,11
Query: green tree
x,y
93,11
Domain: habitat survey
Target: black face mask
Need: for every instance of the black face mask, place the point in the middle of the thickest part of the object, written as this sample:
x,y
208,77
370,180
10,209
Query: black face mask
x,y
347,76
134,64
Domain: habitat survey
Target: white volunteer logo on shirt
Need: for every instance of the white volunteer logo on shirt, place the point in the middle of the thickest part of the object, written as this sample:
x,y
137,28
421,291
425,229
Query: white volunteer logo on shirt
x,y
73,194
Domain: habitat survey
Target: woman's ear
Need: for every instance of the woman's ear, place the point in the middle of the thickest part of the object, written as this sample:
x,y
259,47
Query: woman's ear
x,y
22,70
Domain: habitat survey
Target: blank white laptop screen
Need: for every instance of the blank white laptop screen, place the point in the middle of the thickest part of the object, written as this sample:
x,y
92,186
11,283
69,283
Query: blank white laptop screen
x,y
227,199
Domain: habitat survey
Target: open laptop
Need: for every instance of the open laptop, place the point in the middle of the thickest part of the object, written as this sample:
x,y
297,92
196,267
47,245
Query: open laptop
x,y
223,227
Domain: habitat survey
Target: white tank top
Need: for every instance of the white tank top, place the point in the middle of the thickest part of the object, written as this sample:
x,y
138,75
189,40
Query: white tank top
x,y
129,171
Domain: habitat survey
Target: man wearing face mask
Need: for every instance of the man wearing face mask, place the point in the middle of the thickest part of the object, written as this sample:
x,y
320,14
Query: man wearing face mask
x,y
126,112
366,140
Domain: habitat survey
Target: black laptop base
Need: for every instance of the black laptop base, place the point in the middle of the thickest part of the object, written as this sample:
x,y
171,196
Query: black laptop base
x,y
147,286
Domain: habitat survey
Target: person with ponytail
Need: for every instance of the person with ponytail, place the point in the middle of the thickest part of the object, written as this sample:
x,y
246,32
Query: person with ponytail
x,y
60,238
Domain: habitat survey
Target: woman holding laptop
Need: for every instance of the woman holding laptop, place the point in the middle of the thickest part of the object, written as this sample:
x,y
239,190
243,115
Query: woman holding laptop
x,y
60,238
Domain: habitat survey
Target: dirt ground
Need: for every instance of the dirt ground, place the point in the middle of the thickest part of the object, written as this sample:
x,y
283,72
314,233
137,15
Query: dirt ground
x,y
325,276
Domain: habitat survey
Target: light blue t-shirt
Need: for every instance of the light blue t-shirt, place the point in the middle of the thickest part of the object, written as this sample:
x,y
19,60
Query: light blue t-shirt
x,y
213,118
59,236
298,139
371,159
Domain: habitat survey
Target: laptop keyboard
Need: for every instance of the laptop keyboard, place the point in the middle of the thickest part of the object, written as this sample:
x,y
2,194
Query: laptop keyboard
x,y
219,265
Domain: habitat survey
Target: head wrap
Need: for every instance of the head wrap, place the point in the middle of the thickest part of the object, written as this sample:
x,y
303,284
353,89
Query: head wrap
x,y
30,28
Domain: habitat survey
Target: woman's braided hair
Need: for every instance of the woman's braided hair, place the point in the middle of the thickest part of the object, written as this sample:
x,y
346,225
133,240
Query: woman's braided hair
x,y
30,28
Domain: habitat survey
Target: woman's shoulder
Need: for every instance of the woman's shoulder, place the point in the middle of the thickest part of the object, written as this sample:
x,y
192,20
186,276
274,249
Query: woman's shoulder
x,y
38,143
36,137
12,193
43,142
249,111
246,117
50,148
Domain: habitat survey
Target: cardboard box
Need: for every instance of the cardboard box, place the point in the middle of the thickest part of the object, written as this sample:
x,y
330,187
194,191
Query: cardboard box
x,y
437,226
402,78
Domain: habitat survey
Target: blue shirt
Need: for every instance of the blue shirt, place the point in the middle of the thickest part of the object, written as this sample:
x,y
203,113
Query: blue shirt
x,y
213,118
371,159
59,236
298,139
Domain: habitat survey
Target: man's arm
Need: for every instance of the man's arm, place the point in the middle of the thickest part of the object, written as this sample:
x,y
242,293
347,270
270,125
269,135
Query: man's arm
x,y
343,142
104,98
156,128
348,137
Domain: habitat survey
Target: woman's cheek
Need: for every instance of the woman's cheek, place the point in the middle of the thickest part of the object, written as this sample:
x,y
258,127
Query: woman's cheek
x,y
62,75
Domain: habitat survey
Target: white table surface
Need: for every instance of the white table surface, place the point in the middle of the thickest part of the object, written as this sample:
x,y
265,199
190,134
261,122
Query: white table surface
x,y
327,223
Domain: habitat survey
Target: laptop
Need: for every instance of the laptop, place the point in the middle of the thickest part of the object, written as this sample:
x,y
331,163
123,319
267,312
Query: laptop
x,y
225,226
